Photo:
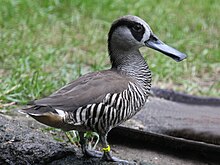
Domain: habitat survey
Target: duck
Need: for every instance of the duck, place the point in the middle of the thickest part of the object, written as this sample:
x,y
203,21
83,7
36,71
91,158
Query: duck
x,y
102,100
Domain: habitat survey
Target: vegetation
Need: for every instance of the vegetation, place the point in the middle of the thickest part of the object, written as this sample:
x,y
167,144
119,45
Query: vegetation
x,y
45,44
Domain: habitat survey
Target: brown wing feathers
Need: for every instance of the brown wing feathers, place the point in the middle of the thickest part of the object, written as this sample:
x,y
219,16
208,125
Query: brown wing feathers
x,y
88,89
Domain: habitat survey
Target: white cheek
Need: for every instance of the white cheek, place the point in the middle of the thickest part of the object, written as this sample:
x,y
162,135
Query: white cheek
x,y
146,36
147,33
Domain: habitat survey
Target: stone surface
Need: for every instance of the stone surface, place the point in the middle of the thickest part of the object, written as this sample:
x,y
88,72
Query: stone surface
x,y
21,142
194,122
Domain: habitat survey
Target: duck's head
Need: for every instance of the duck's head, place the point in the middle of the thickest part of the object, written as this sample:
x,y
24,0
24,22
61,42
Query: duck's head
x,y
131,32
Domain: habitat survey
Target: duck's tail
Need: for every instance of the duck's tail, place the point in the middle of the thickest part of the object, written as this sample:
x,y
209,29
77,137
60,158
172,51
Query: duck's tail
x,y
46,115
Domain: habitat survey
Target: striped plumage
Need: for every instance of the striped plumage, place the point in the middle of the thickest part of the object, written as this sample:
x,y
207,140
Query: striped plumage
x,y
113,110
102,100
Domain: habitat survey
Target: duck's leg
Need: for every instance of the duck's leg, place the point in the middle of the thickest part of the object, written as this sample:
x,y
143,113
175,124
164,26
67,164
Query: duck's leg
x,y
107,151
85,150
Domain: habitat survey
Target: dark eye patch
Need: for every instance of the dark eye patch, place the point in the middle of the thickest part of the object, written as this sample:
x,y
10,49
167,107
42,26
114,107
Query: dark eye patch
x,y
137,30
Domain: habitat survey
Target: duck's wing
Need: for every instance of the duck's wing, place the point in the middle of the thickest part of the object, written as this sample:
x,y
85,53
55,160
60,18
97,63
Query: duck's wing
x,y
88,89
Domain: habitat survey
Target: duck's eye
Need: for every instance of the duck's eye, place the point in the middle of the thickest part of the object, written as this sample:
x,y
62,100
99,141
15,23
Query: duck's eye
x,y
137,28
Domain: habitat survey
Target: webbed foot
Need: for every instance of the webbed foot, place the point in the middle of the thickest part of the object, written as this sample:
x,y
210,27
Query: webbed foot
x,y
92,153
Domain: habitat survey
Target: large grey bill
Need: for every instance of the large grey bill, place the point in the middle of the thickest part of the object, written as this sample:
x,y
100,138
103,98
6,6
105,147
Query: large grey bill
x,y
158,45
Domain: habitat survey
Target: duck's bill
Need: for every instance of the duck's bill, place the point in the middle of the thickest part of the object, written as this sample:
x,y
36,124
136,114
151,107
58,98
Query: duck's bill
x,y
158,45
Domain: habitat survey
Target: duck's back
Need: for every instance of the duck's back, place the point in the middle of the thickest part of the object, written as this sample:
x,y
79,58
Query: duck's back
x,y
88,89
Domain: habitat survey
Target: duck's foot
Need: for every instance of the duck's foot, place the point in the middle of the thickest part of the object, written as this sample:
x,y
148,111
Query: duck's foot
x,y
107,157
92,153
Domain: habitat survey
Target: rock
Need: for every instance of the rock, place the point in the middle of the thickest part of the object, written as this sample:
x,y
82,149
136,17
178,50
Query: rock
x,y
22,145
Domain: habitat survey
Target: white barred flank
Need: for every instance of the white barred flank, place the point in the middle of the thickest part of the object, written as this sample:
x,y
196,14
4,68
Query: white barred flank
x,y
114,109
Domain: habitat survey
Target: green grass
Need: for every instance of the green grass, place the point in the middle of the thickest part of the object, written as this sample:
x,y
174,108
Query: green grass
x,y
45,44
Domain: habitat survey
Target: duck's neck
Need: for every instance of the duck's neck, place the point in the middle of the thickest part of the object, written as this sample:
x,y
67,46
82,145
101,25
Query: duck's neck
x,y
132,63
